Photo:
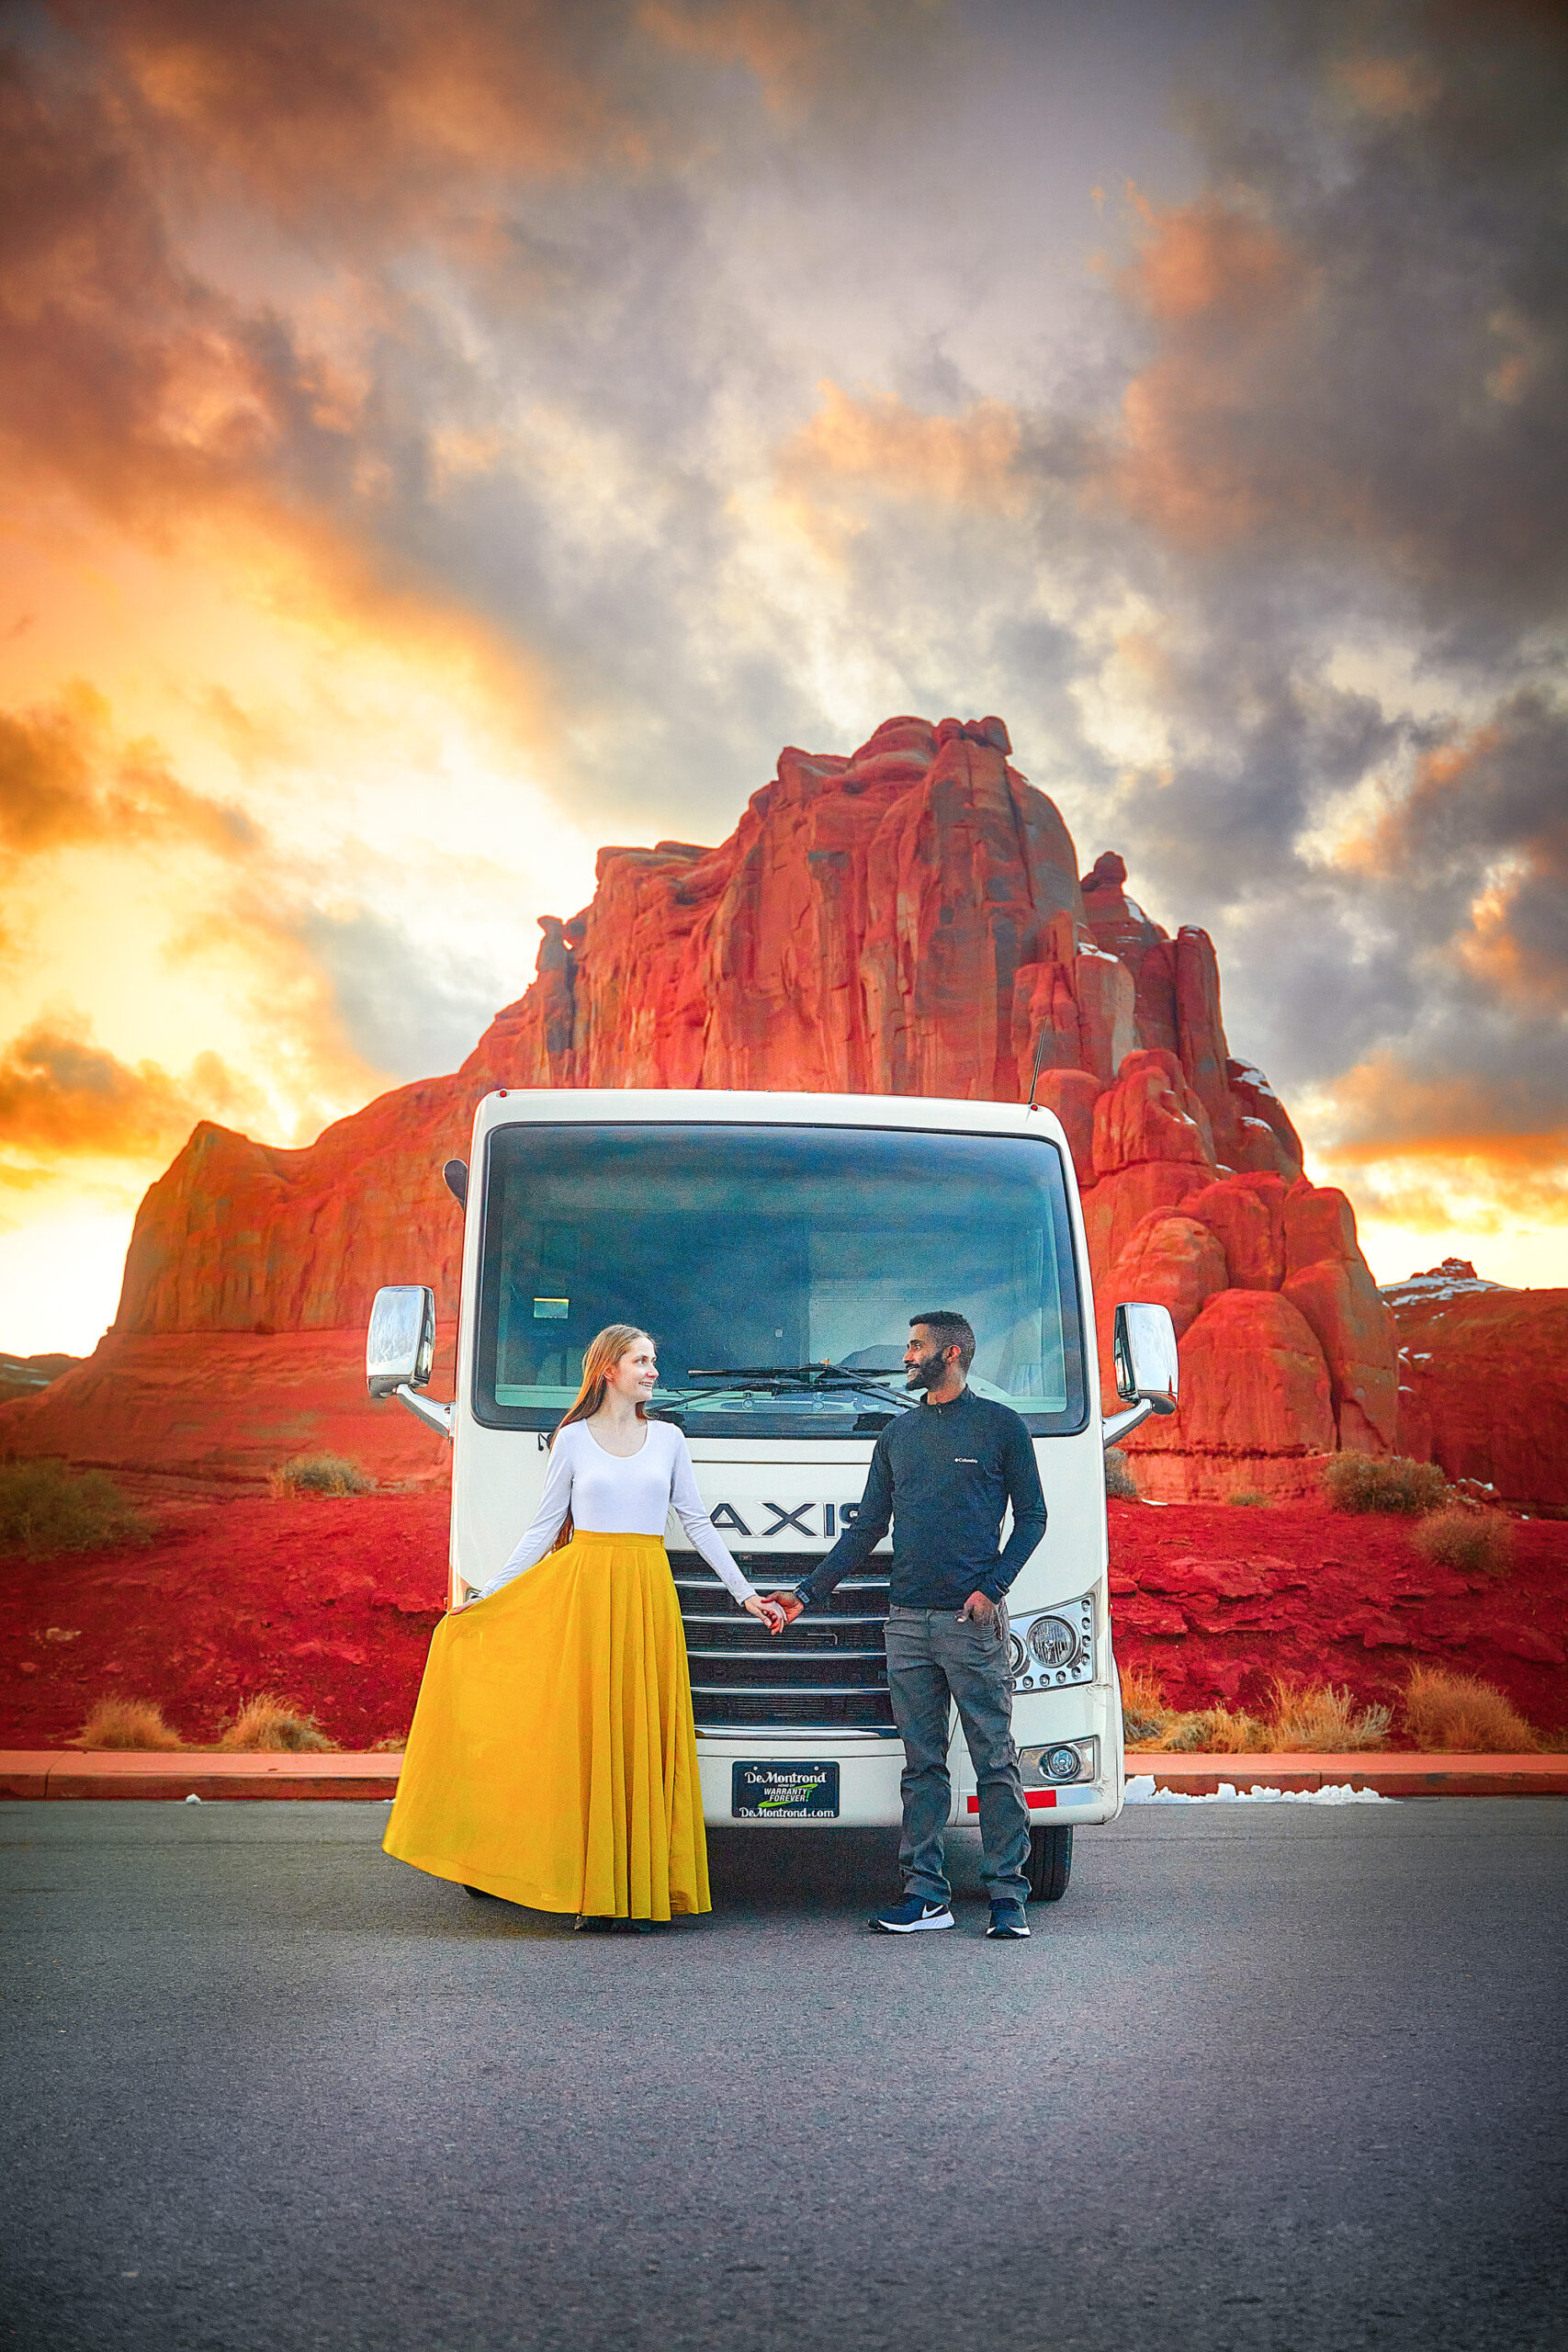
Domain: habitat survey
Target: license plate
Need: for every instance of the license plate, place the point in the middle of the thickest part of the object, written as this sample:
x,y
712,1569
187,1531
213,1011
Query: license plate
x,y
785,1792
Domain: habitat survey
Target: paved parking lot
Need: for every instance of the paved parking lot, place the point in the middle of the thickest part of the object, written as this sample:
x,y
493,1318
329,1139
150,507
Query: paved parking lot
x,y
1281,2078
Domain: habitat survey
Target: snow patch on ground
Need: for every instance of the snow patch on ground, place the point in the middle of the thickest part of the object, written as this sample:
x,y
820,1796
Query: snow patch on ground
x,y
1141,1790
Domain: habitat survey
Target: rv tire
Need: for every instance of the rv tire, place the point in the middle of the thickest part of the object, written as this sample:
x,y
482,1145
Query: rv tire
x,y
1050,1863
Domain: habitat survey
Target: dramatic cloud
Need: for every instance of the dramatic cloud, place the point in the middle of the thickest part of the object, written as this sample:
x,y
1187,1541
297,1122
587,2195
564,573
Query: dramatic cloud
x,y
402,1010
435,440
62,1094
52,791
1361,345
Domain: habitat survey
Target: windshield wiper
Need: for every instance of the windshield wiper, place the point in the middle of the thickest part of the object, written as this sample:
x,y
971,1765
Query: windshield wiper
x,y
817,1379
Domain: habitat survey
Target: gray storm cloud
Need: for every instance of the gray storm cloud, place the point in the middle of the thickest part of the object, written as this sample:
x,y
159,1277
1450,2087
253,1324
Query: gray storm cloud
x,y
1267,442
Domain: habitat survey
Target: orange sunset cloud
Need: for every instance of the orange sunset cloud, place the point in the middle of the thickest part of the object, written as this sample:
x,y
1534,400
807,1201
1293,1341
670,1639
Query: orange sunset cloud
x,y
432,443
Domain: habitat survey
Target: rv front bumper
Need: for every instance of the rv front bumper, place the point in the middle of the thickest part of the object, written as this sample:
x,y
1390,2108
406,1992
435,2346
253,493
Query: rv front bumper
x,y
867,1783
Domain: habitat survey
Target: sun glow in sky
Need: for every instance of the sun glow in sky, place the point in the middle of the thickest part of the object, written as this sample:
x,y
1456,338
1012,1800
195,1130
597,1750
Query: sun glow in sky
x,y
438,442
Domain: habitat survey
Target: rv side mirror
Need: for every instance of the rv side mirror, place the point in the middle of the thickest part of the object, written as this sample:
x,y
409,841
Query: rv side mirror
x,y
400,1346
1144,1347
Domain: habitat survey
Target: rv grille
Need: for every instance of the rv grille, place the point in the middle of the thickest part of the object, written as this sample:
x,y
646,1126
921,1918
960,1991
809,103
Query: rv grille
x,y
826,1672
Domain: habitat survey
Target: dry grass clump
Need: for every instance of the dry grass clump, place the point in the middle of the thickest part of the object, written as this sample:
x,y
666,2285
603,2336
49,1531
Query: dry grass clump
x,y
1249,1498
1457,1713
267,1725
1317,1720
319,1474
1322,1720
1389,1482
127,1723
1219,1731
1480,1542
1145,1711
46,1508
1120,1483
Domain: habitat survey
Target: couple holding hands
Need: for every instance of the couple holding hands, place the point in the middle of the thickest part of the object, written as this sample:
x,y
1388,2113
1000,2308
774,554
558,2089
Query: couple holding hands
x,y
552,1760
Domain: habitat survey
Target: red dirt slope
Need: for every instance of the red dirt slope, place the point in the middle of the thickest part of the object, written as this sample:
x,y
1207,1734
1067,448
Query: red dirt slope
x,y
1218,1600
332,1604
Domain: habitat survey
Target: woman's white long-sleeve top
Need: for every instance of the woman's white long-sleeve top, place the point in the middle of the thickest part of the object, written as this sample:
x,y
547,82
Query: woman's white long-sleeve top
x,y
609,1494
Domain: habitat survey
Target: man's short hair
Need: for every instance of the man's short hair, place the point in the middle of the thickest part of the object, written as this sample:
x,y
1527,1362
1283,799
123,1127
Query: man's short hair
x,y
945,1327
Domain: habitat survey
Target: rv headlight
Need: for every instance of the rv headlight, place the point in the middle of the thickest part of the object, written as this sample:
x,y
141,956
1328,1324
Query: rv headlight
x,y
1018,1657
1062,1763
1053,1642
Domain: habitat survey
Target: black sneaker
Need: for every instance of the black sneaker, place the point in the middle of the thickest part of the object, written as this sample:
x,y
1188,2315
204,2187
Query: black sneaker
x,y
907,1918
1008,1920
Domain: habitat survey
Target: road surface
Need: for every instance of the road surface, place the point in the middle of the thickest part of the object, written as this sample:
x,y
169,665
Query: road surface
x,y
1281,2078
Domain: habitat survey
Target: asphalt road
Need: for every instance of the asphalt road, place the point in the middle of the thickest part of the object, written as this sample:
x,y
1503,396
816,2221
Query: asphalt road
x,y
1282,2078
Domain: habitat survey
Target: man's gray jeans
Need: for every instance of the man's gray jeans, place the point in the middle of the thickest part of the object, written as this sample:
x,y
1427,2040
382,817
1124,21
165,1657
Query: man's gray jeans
x,y
935,1656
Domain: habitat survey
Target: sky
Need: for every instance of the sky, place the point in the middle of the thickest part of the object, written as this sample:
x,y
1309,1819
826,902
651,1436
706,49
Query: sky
x,y
437,441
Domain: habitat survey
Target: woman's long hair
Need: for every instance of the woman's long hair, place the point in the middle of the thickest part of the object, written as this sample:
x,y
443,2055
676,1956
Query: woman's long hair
x,y
600,1357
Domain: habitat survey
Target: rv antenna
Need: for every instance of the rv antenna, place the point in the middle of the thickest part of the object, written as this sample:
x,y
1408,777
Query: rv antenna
x,y
1039,1057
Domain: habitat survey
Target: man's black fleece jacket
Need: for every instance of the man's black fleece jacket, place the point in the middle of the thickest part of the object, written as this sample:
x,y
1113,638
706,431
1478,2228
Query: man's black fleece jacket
x,y
945,1476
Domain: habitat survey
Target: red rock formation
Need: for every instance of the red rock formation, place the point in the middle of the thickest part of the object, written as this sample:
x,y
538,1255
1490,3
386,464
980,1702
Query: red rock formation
x,y
1151,1113
1248,1215
1170,1261
1329,1280
1119,1202
219,1409
902,921
1256,1409
1301,1243
1072,1095
907,921
1485,1391
243,1237
1174,1262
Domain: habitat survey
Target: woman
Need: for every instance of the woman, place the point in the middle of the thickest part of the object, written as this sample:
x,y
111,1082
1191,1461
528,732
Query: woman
x,y
553,1757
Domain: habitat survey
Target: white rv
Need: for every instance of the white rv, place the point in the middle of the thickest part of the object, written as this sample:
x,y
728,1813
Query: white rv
x,y
776,1247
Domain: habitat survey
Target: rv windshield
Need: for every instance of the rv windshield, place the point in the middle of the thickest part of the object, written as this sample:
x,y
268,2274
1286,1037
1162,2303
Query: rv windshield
x,y
755,1253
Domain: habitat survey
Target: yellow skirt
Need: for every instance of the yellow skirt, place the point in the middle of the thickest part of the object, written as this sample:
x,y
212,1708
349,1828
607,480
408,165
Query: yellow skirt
x,y
553,1759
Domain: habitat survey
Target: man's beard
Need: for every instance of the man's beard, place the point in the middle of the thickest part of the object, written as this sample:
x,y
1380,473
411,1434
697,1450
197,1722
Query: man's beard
x,y
928,1372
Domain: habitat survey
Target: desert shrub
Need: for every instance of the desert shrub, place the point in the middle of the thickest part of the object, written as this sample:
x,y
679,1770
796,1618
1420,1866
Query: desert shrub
x,y
1458,1714
127,1723
44,1508
1144,1712
320,1474
1480,1541
269,1725
1383,1482
1120,1483
1319,1719
1247,1498
394,1744
1217,1731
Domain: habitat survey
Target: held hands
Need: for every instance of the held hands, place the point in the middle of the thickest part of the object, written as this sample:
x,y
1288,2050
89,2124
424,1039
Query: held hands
x,y
789,1605
767,1607
981,1607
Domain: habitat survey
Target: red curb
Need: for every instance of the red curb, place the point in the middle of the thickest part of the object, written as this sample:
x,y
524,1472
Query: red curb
x,y
117,1774
1389,1776
25,1772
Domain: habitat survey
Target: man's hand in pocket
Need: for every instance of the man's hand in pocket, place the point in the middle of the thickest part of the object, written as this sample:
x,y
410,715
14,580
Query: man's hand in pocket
x,y
981,1607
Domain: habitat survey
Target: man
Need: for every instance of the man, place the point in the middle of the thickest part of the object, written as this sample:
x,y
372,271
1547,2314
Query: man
x,y
944,1476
